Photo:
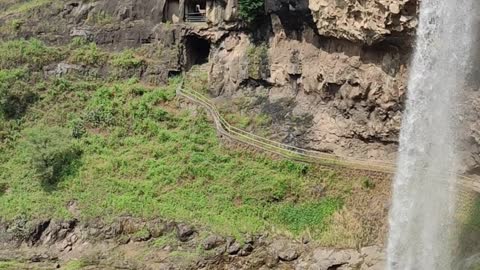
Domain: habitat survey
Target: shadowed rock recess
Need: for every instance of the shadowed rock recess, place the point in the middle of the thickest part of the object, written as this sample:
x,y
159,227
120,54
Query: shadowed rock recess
x,y
144,182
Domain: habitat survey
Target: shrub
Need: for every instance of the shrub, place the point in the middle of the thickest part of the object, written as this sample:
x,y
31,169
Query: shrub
x,y
15,95
126,60
89,55
31,52
3,188
368,183
251,10
100,18
257,61
15,103
51,152
101,110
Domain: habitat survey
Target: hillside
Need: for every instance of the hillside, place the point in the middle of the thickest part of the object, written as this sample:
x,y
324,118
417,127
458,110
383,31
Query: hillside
x,y
84,142
103,166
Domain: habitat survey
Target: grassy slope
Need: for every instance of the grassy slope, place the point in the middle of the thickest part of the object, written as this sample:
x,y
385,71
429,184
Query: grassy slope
x,y
143,155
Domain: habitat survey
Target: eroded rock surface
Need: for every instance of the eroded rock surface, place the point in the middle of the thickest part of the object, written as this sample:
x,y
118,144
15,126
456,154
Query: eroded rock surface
x,y
324,94
365,21
51,244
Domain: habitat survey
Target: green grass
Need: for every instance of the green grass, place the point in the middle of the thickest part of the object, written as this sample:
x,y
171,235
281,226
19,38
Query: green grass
x,y
75,265
126,60
312,215
33,53
24,6
10,265
87,54
142,155
165,240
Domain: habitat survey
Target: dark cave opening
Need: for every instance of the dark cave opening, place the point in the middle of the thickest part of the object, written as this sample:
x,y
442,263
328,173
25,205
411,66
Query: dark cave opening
x,y
197,51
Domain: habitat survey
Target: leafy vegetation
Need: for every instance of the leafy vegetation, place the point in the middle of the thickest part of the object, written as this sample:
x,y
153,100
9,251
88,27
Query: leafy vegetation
x,y
141,155
126,60
32,53
308,215
251,10
88,54
15,94
50,151
16,7
257,61
100,18
10,265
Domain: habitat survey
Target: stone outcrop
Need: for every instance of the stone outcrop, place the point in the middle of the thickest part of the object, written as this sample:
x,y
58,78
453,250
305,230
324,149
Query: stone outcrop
x,y
333,95
53,244
364,21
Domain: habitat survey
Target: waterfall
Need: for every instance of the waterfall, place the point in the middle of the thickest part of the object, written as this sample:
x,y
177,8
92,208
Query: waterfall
x,y
422,214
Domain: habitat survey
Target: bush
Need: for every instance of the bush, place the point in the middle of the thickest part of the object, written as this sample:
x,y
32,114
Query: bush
x,y
3,188
15,95
251,10
15,103
31,52
51,152
126,60
368,183
258,61
89,55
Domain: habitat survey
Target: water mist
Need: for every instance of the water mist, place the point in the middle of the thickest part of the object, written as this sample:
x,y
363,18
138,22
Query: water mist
x,y
422,215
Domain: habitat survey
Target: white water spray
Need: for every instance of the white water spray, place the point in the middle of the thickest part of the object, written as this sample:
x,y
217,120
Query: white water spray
x,y
421,218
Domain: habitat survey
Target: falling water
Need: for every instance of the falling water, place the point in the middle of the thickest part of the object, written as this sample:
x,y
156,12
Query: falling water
x,y
421,218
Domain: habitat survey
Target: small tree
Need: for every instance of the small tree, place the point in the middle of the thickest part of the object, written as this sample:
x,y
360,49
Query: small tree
x,y
251,10
51,152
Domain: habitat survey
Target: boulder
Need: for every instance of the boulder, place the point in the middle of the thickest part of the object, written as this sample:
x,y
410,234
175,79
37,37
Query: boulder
x,y
185,232
212,242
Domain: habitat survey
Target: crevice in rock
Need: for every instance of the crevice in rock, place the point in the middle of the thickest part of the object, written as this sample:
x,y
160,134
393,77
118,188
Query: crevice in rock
x,y
336,266
37,232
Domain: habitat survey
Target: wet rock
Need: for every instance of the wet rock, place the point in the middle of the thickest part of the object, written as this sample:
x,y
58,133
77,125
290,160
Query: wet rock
x,y
185,232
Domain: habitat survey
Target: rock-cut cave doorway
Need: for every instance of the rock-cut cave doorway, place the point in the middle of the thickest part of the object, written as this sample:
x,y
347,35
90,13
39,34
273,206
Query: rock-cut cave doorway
x,y
197,51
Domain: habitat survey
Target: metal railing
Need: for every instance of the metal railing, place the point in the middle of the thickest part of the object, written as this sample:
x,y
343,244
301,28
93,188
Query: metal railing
x,y
195,17
299,154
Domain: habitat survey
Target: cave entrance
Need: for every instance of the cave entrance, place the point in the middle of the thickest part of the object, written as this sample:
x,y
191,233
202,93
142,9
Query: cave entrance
x,y
197,51
171,13
196,10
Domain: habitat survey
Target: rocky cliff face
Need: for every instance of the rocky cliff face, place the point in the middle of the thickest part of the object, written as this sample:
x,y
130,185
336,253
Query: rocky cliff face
x,y
332,75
